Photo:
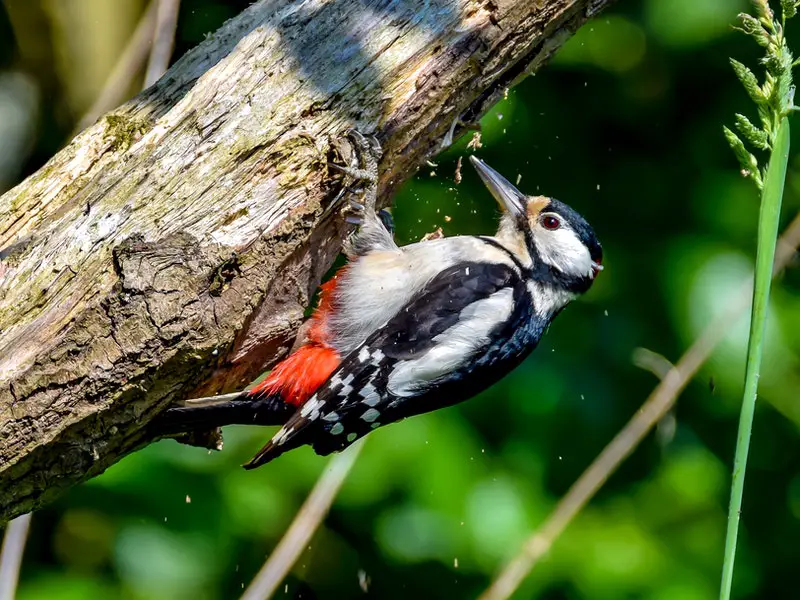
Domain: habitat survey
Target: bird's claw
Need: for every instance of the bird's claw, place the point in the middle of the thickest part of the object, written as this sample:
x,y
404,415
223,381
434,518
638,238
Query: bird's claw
x,y
360,179
356,174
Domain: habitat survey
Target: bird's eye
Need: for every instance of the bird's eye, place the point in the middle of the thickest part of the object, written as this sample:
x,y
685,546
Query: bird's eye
x,y
550,222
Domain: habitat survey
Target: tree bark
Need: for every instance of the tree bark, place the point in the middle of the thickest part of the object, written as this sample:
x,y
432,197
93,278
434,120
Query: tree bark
x,y
171,248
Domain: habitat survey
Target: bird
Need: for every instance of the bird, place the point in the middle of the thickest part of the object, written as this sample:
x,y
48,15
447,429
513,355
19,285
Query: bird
x,y
404,330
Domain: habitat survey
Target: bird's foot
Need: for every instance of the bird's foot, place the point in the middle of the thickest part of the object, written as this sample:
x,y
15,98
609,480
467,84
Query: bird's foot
x,y
363,157
360,181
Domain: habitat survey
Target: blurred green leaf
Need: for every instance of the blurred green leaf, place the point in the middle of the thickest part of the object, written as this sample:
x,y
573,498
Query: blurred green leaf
x,y
54,585
413,534
688,24
156,563
496,518
612,43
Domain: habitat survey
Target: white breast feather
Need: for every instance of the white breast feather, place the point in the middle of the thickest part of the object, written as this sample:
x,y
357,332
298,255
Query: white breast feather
x,y
377,286
548,299
454,345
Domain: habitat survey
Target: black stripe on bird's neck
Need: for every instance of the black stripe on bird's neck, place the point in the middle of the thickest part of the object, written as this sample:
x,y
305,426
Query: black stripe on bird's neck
x,y
549,275
525,271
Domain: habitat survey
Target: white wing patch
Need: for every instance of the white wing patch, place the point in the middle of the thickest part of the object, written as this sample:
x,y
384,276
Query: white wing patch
x,y
369,395
454,345
363,354
311,408
346,387
370,415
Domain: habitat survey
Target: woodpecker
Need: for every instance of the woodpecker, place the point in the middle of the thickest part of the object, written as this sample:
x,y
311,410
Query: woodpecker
x,y
401,331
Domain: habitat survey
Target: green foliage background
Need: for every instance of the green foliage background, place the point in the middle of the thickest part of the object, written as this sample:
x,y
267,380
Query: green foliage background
x,y
624,125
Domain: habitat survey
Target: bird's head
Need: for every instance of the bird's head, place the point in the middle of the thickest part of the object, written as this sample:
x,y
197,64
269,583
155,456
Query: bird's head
x,y
560,245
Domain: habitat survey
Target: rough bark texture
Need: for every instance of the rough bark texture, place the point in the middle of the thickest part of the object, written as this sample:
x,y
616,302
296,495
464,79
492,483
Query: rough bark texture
x,y
171,249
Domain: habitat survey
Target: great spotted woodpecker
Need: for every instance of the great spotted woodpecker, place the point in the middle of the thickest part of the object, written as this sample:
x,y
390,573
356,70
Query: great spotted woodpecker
x,y
401,331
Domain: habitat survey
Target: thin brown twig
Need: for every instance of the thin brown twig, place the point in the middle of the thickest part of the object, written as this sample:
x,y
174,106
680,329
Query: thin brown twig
x,y
163,41
306,522
11,555
129,64
651,361
655,407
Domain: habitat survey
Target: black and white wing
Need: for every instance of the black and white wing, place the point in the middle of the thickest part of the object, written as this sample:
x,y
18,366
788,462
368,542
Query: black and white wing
x,y
444,347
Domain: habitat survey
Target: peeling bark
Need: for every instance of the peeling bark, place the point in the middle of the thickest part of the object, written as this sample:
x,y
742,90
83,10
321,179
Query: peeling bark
x,y
171,249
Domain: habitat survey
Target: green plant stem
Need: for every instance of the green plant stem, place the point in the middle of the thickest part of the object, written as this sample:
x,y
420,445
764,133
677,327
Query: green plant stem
x,y
768,219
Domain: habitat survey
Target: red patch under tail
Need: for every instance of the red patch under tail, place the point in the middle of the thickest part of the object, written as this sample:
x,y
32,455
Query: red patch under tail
x,y
297,377
318,331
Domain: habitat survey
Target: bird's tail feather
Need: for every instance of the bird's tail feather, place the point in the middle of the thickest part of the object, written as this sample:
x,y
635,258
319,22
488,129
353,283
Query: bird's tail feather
x,y
239,408
265,455
281,442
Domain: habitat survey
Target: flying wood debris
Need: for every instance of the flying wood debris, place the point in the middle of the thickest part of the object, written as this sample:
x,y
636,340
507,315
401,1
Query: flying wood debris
x,y
433,235
475,142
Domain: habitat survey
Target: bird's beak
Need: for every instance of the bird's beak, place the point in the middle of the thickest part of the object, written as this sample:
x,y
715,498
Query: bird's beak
x,y
509,197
